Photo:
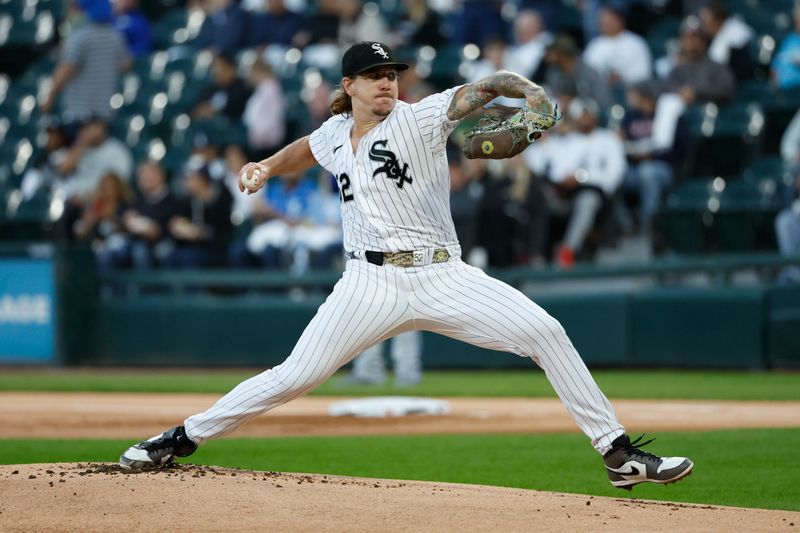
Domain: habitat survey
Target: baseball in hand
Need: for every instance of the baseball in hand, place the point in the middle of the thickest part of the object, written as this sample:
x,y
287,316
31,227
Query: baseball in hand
x,y
251,183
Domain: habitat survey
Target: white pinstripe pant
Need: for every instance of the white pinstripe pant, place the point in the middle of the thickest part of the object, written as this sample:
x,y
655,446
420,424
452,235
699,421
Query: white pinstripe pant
x,y
373,303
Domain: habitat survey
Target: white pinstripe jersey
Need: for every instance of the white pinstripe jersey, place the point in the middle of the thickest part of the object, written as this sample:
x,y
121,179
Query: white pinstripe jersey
x,y
395,188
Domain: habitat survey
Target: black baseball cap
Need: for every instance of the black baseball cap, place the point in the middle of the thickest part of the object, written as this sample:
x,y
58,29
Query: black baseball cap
x,y
366,55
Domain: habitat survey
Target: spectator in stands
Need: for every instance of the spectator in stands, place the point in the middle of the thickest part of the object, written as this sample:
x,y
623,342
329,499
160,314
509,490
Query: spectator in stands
x,y
359,23
44,173
786,64
411,87
567,72
244,205
317,241
531,39
286,206
322,27
224,30
93,57
93,154
787,223
730,38
787,230
551,12
697,78
207,152
134,25
618,54
319,98
101,222
226,95
478,22
497,230
147,221
581,185
790,142
277,25
265,112
248,210
202,228
420,25
465,201
649,170
493,58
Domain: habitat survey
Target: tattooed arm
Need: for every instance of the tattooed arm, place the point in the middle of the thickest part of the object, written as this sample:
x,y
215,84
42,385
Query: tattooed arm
x,y
504,83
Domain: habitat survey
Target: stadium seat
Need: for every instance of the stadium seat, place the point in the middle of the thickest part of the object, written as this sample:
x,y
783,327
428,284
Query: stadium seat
x,y
658,36
725,139
684,222
769,168
778,112
179,27
747,212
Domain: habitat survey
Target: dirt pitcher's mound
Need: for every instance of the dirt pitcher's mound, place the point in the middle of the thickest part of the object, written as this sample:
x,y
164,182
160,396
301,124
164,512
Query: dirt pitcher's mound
x,y
101,497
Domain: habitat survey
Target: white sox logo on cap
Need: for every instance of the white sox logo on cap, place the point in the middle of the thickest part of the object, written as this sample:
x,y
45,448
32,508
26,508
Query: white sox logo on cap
x,y
379,50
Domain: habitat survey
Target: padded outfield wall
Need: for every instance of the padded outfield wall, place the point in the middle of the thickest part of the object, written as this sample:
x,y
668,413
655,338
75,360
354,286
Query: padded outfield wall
x,y
138,323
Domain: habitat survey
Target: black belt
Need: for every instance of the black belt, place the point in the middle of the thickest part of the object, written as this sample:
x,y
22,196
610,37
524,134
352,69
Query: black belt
x,y
401,259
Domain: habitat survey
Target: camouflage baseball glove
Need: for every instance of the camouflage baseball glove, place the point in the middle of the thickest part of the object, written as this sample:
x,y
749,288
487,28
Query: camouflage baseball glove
x,y
504,131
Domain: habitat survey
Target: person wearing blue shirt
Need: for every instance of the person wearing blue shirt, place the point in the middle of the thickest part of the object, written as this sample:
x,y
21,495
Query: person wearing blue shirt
x,y
277,25
786,65
286,207
131,22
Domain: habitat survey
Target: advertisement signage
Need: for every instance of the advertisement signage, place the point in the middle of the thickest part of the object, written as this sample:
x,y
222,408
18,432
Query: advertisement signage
x,y
27,311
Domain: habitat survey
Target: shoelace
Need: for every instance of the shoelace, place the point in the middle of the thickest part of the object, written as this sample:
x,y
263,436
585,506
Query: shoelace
x,y
634,448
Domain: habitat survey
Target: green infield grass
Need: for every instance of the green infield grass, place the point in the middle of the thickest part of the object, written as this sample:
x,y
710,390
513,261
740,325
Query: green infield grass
x,y
722,385
747,468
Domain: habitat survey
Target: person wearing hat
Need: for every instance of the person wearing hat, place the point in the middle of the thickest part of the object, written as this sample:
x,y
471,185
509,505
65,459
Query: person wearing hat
x,y
566,71
404,270
93,57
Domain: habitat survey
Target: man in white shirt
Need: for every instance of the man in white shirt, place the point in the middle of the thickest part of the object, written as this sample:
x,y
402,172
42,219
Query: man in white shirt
x,y
618,53
730,38
583,168
531,39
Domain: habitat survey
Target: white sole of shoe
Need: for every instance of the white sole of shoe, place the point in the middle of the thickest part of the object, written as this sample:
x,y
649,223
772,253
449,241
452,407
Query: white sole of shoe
x,y
629,484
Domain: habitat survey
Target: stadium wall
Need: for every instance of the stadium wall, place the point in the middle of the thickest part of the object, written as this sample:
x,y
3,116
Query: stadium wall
x,y
724,327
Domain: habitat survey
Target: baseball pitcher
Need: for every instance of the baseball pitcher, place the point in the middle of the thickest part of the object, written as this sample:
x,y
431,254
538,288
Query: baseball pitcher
x,y
405,270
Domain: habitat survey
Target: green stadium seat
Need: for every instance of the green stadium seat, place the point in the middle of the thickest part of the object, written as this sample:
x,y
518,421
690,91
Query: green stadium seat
x,y
769,168
179,27
684,222
778,111
725,139
657,37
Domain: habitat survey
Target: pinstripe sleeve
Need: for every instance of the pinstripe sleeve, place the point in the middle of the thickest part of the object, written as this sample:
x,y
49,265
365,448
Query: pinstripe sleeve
x,y
431,116
320,142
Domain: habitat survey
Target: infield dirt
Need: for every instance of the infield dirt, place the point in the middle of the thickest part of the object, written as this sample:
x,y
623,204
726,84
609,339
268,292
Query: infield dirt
x,y
137,416
101,497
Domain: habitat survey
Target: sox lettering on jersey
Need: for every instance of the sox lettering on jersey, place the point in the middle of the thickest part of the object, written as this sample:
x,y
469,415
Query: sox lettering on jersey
x,y
391,166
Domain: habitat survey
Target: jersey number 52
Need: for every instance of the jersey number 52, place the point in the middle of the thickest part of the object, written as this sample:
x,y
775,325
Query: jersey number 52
x,y
345,195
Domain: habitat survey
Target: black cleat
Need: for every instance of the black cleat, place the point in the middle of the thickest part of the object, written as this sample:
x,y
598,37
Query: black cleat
x,y
627,465
158,451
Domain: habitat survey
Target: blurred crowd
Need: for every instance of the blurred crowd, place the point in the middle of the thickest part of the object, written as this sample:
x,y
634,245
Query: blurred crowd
x,y
601,174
